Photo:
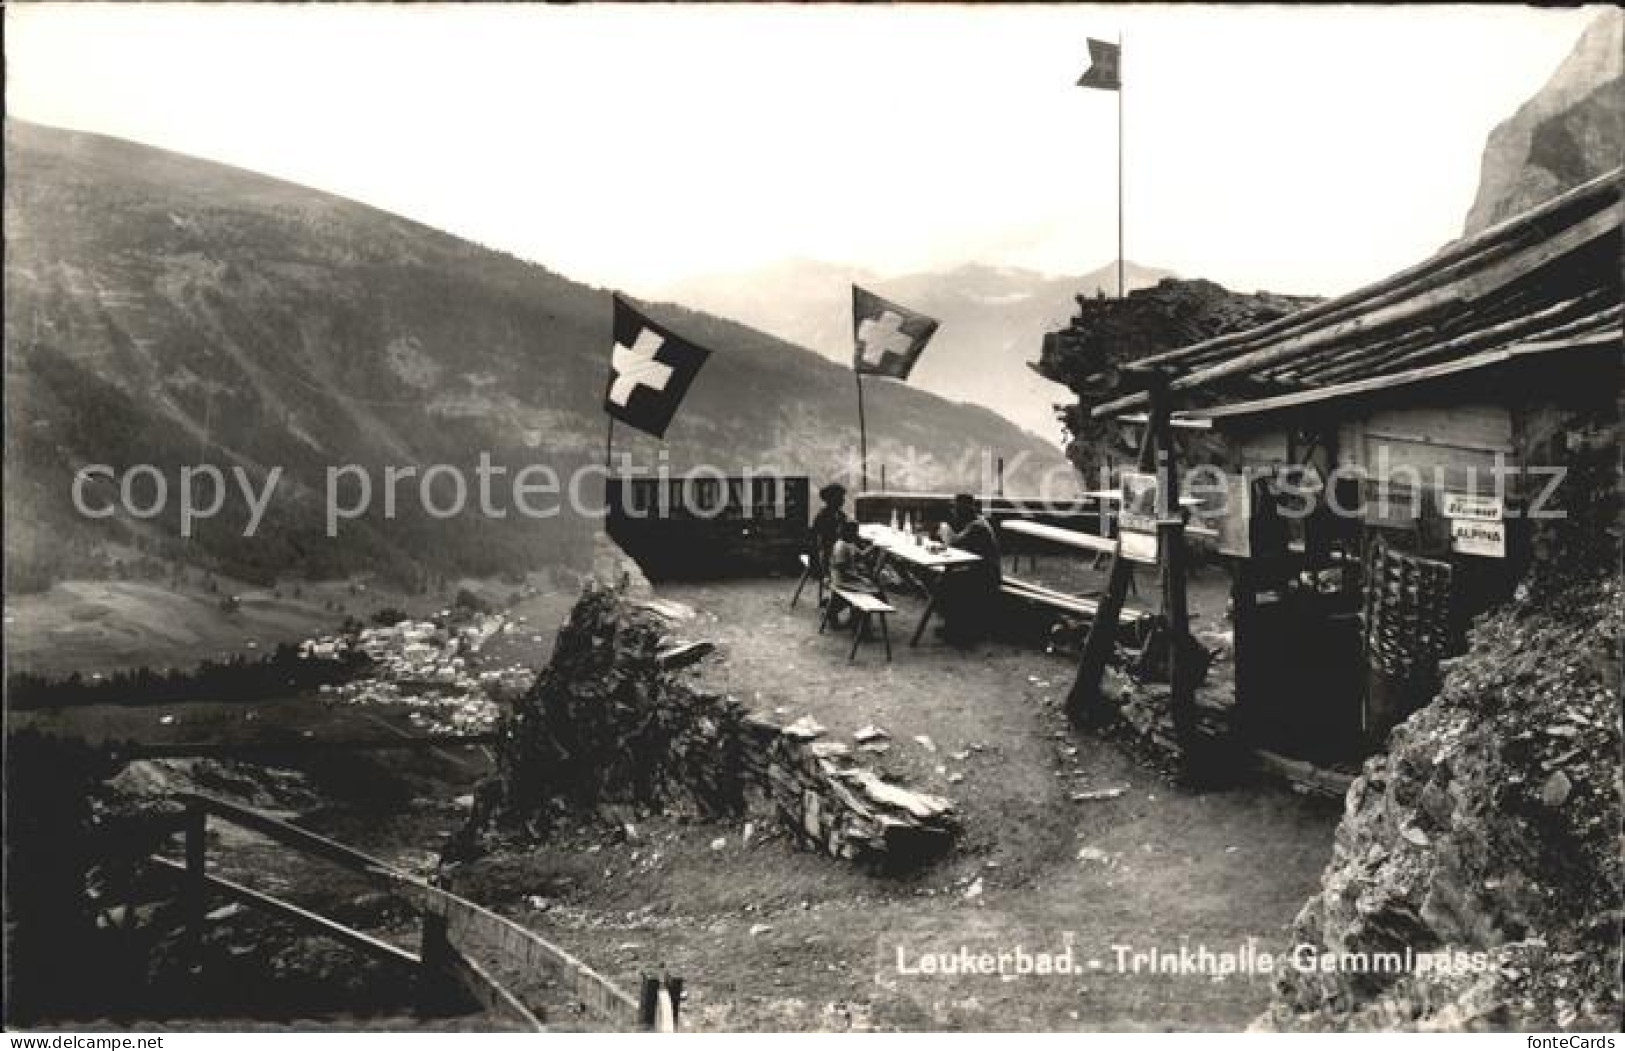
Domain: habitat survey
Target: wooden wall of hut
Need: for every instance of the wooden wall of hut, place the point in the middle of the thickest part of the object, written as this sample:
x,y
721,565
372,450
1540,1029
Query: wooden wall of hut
x,y
1306,681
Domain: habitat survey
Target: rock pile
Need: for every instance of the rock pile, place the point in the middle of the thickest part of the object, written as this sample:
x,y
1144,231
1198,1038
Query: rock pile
x,y
430,668
1106,334
1490,827
842,808
1141,718
614,720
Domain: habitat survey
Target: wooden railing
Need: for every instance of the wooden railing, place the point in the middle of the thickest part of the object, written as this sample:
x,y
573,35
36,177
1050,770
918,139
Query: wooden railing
x,y
463,945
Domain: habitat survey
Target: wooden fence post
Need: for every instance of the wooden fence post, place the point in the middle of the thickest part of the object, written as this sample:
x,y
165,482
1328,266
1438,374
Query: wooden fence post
x,y
434,958
675,986
195,891
648,1002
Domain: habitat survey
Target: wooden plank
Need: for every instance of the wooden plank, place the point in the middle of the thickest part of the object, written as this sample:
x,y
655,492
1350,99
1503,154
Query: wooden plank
x,y
1067,604
1525,324
1453,466
1588,324
1332,783
308,842
864,601
1600,341
465,919
1057,535
1023,589
1141,419
521,947
175,750
490,993
358,940
1470,425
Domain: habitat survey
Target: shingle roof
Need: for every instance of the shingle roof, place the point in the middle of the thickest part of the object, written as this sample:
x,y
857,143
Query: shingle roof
x,y
1545,280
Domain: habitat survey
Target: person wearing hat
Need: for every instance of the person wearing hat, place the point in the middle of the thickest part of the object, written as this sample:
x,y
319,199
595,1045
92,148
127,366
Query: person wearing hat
x,y
970,595
826,525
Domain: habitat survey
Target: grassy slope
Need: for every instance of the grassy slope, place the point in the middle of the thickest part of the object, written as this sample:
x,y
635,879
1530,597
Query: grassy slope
x,y
164,309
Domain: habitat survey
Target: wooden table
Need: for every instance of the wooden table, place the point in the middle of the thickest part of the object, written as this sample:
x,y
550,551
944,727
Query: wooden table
x,y
935,561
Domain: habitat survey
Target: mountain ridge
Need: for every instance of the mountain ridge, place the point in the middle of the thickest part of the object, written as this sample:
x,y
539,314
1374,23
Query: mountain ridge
x,y
988,312
1571,130
164,308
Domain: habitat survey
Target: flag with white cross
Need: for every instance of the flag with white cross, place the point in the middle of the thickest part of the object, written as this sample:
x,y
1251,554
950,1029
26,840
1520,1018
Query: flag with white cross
x,y
649,371
889,338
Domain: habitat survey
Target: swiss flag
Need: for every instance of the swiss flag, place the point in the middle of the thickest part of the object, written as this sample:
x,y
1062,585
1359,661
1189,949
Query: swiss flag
x,y
1105,66
888,338
649,371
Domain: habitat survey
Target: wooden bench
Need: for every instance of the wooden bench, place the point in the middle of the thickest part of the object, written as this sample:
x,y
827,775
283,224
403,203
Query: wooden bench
x,y
808,572
865,607
1136,621
1098,545
1100,548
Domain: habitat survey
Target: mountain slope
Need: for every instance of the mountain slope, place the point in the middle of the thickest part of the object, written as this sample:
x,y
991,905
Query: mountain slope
x,y
993,321
1572,130
166,310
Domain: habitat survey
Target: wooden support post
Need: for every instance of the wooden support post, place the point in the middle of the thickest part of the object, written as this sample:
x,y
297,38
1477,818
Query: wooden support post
x,y
1171,554
1243,617
196,887
1083,701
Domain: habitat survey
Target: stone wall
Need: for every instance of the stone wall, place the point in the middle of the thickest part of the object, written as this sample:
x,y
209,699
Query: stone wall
x,y
841,807
614,721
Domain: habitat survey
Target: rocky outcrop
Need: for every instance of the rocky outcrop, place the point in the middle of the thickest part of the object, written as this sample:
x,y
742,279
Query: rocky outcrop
x,y
1488,832
1572,130
1106,334
622,717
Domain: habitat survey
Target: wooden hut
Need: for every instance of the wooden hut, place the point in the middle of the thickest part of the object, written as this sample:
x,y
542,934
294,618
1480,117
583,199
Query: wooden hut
x,y
1386,456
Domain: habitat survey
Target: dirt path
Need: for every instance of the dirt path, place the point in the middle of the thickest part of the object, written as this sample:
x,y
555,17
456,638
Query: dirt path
x,y
770,936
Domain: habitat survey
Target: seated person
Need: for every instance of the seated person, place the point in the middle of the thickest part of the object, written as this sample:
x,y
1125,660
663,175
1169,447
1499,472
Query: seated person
x,y
969,596
851,567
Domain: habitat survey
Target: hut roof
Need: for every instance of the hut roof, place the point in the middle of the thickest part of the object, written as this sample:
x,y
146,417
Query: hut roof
x,y
1543,282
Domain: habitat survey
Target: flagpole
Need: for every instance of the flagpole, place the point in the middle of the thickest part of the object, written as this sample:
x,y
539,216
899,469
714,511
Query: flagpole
x,y
863,437
609,435
1119,164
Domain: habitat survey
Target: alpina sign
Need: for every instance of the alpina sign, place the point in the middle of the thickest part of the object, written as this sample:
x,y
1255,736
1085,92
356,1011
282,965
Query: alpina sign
x,y
1472,537
1477,524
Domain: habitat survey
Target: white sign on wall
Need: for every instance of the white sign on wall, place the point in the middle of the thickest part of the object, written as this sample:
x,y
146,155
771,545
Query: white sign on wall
x,y
1477,508
1474,537
1137,546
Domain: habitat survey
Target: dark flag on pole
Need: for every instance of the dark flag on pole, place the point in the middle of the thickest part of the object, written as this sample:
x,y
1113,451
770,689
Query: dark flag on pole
x,y
888,338
649,371
1105,67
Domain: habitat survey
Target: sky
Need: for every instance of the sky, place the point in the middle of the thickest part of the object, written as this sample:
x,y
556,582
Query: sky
x,y
1290,149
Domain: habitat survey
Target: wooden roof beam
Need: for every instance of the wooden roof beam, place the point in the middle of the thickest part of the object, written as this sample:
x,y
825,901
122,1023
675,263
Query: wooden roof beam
x,y
1476,286
1515,326
1452,259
